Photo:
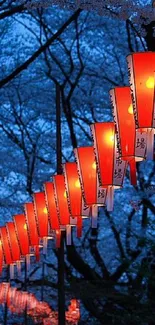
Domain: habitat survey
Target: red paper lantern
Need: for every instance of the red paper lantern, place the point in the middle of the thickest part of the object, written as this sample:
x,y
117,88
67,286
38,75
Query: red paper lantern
x,y
14,245
7,250
141,67
111,169
41,214
52,211
76,205
22,235
11,296
62,206
32,227
92,194
4,288
127,136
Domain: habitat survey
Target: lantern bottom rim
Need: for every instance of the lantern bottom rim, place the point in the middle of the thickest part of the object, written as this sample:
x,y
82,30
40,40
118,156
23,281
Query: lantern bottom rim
x,y
145,129
129,158
112,185
97,204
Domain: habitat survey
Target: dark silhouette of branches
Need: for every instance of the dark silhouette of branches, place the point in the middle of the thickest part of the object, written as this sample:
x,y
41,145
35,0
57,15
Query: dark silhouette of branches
x,y
36,54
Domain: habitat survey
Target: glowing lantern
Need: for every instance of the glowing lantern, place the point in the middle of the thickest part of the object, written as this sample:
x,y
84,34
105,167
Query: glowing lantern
x,y
32,227
41,214
62,206
7,250
110,167
4,288
14,245
22,235
52,211
141,67
92,194
76,205
127,137
11,296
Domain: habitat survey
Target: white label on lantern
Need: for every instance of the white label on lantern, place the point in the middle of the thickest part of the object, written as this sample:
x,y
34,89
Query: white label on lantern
x,y
85,209
101,194
119,168
67,189
140,145
79,174
62,227
132,87
73,221
68,235
51,233
96,153
56,199
115,117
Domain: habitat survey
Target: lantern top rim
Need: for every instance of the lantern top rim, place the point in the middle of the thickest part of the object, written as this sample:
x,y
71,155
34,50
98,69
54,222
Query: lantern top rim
x,y
19,214
69,162
119,87
84,146
28,203
140,52
37,193
104,122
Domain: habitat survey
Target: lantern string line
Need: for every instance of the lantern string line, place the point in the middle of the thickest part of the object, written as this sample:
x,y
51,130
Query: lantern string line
x,y
94,216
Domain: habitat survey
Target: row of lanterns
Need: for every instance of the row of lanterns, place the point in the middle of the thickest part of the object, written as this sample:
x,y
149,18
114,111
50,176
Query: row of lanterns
x,y
17,301
89,182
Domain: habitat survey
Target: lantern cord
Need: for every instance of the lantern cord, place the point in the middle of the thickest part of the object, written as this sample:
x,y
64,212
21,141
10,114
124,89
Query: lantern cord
x,y
73,221
68,235
110,198
28,262
57,238
11,271
79,227
37,253
150,144
45,240
132,164
94,216
18,268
